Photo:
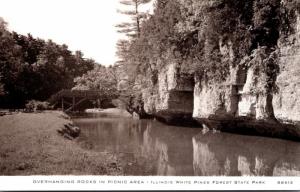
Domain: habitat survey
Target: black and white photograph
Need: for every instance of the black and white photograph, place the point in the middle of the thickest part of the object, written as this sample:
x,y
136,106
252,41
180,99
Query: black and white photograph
x,y
115,89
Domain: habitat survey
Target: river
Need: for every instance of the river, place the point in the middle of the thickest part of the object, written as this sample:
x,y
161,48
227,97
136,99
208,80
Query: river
x,y
148,147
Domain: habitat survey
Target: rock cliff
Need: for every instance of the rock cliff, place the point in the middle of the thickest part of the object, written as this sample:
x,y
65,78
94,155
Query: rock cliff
x,y
173,102
258,96
286,102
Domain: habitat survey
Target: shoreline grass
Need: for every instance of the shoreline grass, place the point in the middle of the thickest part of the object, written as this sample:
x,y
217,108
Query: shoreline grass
x,y
30,145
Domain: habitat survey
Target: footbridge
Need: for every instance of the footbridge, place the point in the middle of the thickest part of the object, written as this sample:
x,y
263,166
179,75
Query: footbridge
x,y
70,99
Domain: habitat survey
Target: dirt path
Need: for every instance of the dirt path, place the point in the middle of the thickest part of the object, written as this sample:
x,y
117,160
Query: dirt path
x,y
30,145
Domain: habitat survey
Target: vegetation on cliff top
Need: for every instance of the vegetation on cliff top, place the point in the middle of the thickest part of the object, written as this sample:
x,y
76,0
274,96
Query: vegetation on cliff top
x,y
205,36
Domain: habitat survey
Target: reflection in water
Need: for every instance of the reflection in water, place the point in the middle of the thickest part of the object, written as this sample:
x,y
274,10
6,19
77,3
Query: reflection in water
x,y
147,147
229,154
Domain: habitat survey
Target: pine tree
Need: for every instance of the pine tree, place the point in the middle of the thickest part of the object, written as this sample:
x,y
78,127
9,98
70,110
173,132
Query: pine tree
x,y
132,29
122,51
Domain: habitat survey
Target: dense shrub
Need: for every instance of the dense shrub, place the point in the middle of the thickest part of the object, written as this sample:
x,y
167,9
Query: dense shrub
x,y
34,105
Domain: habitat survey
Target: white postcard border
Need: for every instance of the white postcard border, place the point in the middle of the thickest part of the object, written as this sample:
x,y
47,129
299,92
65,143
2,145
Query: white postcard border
x,y
16,183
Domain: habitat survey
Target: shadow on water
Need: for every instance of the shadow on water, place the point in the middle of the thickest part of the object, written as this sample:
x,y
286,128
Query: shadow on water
x,y
147,147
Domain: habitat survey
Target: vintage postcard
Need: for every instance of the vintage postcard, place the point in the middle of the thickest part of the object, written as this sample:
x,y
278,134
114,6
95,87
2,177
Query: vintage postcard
x,y
149,94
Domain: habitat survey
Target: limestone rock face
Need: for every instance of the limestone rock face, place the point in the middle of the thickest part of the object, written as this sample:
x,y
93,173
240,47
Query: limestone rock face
x,y
150,100
248,101
173,98
243,103
253,103
212,101
175,92
170,79
243,94
286,102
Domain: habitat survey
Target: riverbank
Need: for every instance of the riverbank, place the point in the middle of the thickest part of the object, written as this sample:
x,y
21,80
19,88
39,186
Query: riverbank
x,y
30,145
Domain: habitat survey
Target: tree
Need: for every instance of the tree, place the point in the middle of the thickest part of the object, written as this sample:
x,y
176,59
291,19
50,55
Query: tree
x,y
31,68
266,22
122,51
100,78
132,29
10,61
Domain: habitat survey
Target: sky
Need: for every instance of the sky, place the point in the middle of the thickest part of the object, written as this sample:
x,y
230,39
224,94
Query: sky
x,y
86,25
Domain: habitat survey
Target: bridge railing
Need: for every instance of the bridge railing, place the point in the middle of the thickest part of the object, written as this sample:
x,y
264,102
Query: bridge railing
x,y
74,93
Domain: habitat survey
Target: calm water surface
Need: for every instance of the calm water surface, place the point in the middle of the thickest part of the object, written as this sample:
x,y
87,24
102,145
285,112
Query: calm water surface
x,y
147,147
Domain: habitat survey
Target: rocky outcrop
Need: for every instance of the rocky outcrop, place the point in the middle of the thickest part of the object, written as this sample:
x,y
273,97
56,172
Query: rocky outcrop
x,y
69,131
173,100
217,99
242,94
214,100
247,103
286,101
260,95
242,104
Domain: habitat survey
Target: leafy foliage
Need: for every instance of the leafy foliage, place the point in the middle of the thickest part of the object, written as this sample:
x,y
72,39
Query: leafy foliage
x,y
266,22
35,69
206,37
289,12
264,61
100,78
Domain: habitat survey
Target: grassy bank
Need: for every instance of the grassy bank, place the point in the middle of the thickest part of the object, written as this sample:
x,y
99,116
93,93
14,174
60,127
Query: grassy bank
x,y
30,145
